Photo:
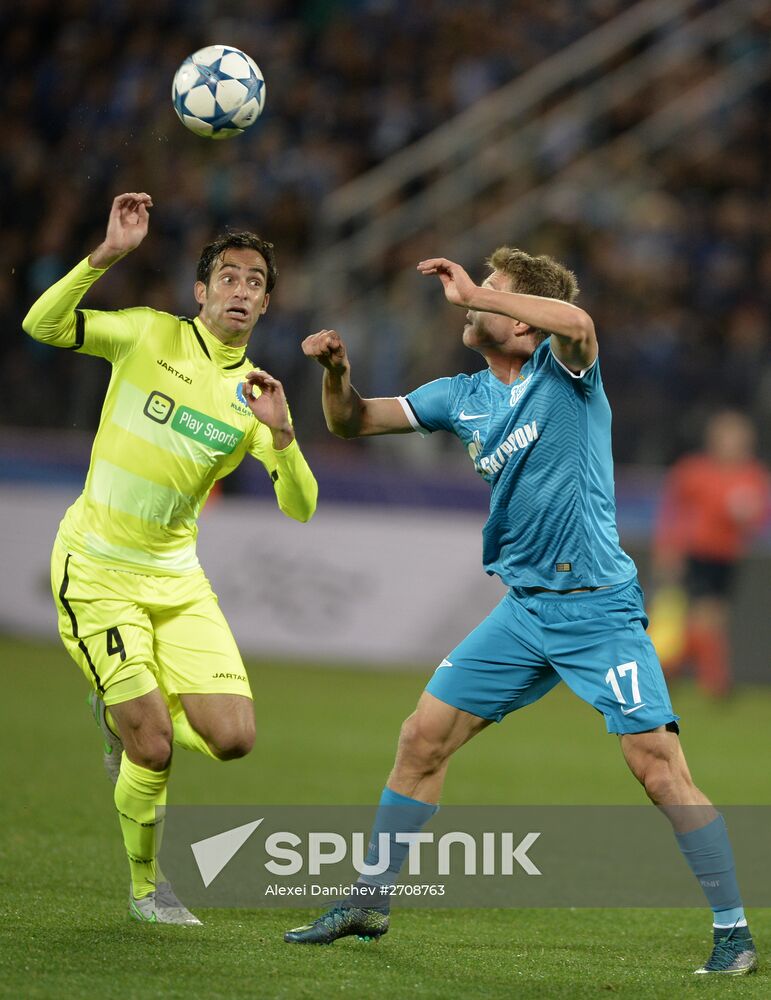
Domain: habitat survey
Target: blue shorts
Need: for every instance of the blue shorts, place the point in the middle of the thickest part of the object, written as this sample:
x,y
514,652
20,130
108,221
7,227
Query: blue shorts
x,y
594,641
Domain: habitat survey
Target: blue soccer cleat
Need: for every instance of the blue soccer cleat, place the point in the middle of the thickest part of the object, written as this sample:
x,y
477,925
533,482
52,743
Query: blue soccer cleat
x,y
733,953
341,921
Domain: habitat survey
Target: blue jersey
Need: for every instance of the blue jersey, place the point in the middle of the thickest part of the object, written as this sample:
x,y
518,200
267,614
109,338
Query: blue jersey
x,y
543,444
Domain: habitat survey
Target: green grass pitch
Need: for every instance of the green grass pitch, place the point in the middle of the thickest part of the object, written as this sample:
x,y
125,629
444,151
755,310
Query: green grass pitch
x,y
325,736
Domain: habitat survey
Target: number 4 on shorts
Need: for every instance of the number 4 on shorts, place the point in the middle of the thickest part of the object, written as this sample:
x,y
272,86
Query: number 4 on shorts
x,y
614,676
115,643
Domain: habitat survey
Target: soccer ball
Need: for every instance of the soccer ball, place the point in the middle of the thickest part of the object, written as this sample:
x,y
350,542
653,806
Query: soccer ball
x,y
218,92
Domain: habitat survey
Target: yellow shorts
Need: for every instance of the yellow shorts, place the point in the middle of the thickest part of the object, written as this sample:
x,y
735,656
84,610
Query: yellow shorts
x,y
131,632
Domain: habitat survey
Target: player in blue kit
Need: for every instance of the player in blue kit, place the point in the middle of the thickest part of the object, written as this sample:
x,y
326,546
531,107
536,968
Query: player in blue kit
x,y
536,424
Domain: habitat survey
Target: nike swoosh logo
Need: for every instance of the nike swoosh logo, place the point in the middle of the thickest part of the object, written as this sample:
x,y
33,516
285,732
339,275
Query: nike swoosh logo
x,y
634,708
444,663
471,416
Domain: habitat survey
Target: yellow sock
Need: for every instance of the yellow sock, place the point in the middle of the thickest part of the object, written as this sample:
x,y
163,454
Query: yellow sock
x,y
185,736
137,794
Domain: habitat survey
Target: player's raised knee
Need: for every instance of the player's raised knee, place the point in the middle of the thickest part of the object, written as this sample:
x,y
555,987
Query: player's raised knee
x,y
152,752
233,743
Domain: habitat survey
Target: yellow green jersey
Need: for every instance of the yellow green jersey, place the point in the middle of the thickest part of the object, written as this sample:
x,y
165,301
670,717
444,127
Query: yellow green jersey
x,y
174,421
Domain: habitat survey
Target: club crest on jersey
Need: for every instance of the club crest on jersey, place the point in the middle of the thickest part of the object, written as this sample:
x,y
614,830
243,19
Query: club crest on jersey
x,y
518,389
244,407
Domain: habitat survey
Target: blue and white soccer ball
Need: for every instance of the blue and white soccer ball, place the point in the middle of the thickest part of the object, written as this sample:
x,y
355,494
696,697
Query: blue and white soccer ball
x,y
218,92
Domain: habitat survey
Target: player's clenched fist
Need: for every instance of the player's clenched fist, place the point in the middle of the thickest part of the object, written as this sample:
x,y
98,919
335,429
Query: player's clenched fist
x,y
327,348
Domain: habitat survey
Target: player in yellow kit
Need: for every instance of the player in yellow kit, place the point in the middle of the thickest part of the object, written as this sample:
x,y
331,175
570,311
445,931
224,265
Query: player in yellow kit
x,y
136,612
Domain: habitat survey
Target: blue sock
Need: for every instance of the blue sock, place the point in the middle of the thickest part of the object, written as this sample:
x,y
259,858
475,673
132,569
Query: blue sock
x,y
396,814
710,858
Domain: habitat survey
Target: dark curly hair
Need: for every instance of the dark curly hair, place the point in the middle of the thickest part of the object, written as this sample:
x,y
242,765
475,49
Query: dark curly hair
x,y
240,241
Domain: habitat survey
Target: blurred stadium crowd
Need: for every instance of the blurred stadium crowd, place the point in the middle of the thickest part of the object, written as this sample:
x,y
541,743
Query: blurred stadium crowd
x,y
675,266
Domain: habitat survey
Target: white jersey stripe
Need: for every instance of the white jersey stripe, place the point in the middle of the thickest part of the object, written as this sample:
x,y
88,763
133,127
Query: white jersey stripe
x,y
412,418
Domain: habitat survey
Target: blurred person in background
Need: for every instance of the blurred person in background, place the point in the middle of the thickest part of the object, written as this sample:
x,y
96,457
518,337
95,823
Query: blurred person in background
x,y
713,503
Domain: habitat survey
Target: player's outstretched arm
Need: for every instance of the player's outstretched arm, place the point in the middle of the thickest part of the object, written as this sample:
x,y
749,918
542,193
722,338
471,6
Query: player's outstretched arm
x,y
53,319
347,414
126,228
573,340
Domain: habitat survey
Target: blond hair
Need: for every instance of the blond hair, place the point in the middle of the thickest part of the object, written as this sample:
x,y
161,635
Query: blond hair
x,y
529,275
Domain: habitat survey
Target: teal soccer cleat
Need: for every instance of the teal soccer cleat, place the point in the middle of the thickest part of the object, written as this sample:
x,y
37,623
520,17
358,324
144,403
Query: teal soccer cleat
x,y
733,953
341,921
